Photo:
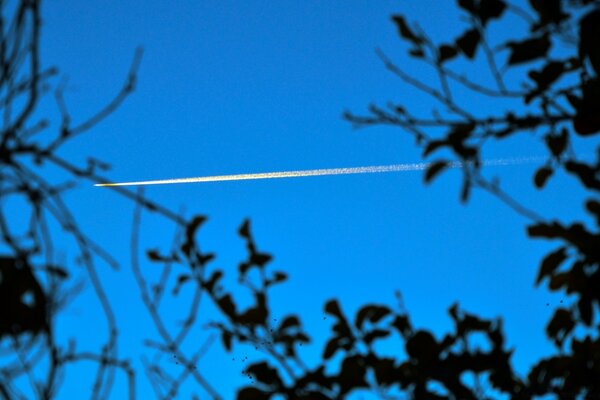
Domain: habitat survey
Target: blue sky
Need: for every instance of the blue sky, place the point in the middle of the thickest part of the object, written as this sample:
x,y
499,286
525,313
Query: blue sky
x,y
255,86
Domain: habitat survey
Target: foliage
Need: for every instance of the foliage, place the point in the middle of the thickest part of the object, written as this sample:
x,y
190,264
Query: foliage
x,y
558,99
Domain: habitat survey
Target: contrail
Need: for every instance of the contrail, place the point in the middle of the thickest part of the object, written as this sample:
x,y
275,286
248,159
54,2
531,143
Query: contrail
x,y
319,172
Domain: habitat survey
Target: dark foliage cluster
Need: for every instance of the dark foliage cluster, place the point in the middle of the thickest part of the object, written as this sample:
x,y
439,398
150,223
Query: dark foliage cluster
x,y
34,283
558,99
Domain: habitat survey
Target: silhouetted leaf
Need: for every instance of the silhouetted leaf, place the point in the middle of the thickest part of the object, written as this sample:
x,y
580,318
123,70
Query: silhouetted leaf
x,y
549,12
226,338
260,259
405,31
402,324
181,280
352,374
422,346
331,347
468,5
256,315
586,174
371,313
289,322
557,144
547,75
545,230
212,281
433,145
333,308
446,52
550,263
266,374
227,305
490,9
584,305
593,206
434,169
559,327
206,258
558,281
190,232
154,255
541,176
468,42
251,393
375,334
279,276
528,50
244,230
589,32
244,267
385,370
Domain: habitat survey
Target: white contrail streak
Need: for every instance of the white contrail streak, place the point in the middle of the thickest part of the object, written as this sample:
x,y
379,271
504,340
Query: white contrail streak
x,y
319,172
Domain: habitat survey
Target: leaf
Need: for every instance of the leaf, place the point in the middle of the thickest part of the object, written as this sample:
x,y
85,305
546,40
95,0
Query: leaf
x,y
468,5
226,339
550,263
549,231
333,308
332,346
446,52
549,12
251,393
490,9
385,371
256,315
260,259
190,232
422,346
557,144
402,324
371,313
375,334
244,230
214,278
206,258
559,327
585,173
541,176
227,305
584,306
558,281
593,207
352,374
154,255
589,31
289,322
433,145
266,374
181,280
528,50
434,169
279,277
405,31
547,75
468,42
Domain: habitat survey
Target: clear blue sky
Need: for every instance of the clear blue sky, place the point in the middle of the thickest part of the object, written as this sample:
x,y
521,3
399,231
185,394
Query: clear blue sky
x,y
254,86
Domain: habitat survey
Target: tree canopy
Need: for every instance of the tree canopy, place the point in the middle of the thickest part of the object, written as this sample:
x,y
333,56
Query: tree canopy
x,y
552,77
